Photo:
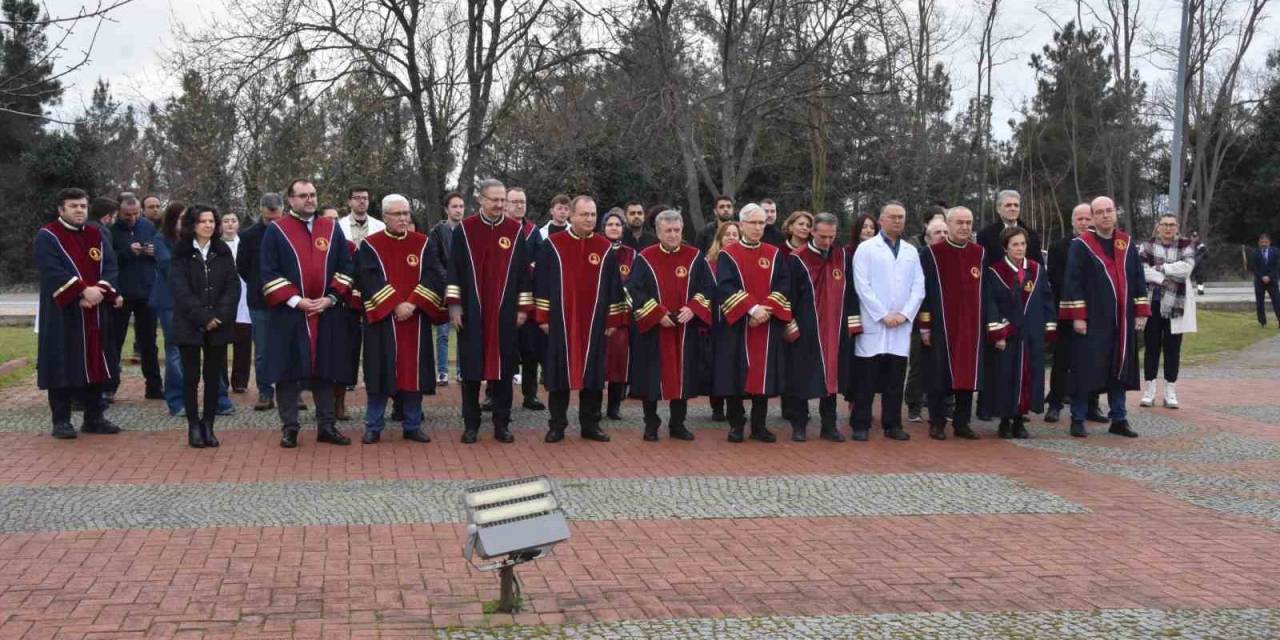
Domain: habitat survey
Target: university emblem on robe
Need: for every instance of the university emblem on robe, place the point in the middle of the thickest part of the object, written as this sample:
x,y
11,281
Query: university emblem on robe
x,y
322,244
412,259
624,270
504,242
763,262
837,274
95,254
682,272
973,271
1028,286
1121,245
594,258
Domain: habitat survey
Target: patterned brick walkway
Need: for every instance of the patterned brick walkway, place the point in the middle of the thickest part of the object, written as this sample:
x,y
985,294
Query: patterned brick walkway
x,y
136,535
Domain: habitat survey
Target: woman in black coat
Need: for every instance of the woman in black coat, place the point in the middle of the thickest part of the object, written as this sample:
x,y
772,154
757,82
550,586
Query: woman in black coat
x,y
206,290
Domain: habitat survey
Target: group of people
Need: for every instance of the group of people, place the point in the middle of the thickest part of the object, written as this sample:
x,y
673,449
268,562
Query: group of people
x,y
604,306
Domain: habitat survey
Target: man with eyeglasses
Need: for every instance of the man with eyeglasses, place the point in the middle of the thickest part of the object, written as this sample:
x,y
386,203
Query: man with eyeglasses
x,y
1167,262
489,298
306,272
358,224
1104,297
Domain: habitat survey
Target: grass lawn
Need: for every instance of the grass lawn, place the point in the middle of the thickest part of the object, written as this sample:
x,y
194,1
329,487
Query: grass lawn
x,y
17,342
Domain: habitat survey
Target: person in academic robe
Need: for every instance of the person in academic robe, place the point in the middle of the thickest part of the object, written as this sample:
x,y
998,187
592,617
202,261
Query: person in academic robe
x,y
488,297
76,266
670,289
533,342
890,285
825,313
306,277
353,305
401,280
579,304
1056,266
1105,299
1020,316
727,234
618,346
796,231
951,324
753,287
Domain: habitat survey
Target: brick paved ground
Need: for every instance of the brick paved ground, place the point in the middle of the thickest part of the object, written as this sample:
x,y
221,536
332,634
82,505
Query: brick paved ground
x,y
135,535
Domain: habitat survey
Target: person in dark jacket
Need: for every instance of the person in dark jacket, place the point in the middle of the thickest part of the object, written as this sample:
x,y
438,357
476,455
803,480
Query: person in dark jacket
x,y
271,207
1009,211
1264,263
724,212
637,235
1081,222
206,291
133,239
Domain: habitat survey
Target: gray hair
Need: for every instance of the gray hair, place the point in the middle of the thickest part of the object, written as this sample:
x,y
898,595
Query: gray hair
x,y
826,218
1005,195
271,201
489,183
128,197
667,216
954,210
750,207
393,198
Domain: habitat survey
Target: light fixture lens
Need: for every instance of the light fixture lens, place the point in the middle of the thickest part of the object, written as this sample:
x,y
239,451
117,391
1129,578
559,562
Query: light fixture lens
x,y
506,494
516,510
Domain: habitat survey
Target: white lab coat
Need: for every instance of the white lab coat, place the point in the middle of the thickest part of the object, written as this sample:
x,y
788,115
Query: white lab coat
x,y
242,310
885,285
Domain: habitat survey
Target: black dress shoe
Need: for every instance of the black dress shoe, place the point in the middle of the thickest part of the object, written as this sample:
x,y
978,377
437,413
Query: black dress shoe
x,y
597,434
679,432
206,430
938,431
264,404
103,426
469,436
735,434
289,440
302,406
1095,415
1052,415
417,435
965,432
332,436
153,394
651,433
195,439
503,434
799,435
897,434
533,404
832,434
763,435
64,431
1078,430
371,437
1020,429
860,436
554,435
1006,429
613,414
1121,428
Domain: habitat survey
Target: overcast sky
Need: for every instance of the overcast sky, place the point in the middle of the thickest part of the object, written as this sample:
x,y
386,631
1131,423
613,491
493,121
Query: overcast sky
x,y
129,49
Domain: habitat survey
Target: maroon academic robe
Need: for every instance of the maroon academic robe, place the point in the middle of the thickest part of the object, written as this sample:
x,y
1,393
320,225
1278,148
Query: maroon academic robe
x,y
669,362
618,345
825,308
578,295
748,359
71,341
489,279
399,354
952,314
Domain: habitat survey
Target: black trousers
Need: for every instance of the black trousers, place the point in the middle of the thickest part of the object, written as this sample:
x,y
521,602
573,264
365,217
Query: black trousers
x,y
1158,338
717,404
499,394
736,411
588,409
679,409
1061,368
1272,289
886,373
529,378
242,356
961,412
144,331
214,369
796,411
90,397
917,364
617,393
287,393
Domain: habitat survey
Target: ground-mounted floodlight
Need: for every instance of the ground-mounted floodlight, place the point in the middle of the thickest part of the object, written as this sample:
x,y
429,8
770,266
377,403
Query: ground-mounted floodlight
x,y
516,521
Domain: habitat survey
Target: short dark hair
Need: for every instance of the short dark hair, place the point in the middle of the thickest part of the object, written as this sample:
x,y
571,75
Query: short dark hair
x,y
295,182
719,198
71,193
325,207
560,198
357,189
932,211
102,207
1010,233
768,201
450,196
150,196
129,197
632,203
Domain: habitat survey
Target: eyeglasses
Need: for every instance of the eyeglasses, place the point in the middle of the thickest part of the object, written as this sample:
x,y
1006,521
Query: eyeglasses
x,y
304,196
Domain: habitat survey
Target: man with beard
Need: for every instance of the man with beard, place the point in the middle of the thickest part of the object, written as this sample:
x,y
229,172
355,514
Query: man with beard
x,y
636,236
772,235
724,213
358,224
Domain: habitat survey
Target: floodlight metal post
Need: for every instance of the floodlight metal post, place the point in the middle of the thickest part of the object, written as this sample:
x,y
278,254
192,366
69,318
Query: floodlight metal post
x,y
519,519
507,595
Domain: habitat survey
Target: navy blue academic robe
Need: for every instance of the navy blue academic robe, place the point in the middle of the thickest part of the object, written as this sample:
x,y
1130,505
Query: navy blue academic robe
x,y
1022,314
72,340
315,263
667,363
1108,290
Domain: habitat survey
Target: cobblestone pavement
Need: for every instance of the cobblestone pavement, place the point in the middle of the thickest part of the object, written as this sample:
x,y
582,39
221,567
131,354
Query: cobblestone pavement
x,y
1174,534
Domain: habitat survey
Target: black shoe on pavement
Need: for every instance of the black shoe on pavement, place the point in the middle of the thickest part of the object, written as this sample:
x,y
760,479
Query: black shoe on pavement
x,y
1078,430
651,432
103,427
469,436
897,434
860,436
596,434
554,435
1121,428
832,434
1053,414
938,431
417,435
679,432
371,437
799,435
264,404
332,436
64,431
289,440
735,434
533,404
763,435
1095,415
964,432
503,434
1020,429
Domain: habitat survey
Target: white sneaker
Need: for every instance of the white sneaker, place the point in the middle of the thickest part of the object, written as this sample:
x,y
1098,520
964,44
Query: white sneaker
x,y
1148,394
1170,396
515,379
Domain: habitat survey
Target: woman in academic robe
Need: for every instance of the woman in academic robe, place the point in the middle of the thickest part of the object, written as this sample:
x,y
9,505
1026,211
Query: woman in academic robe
x,y
726,234
618,346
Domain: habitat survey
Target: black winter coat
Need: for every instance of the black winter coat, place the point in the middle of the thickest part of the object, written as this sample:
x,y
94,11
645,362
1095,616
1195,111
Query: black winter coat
x,y
203,290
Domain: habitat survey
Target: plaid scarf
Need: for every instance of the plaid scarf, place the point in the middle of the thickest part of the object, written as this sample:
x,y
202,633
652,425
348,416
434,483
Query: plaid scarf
x,y
1173,297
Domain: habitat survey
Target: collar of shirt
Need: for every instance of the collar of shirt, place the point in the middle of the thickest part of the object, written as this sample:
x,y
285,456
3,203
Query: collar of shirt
x,y
816,250
893,244
203,251
69,226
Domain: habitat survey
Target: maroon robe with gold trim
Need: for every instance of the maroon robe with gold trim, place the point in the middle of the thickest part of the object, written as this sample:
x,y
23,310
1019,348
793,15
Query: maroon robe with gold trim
x,y
618,345
400,354
825,308
669,363
578,295
748,359
489,279
952,314
71,341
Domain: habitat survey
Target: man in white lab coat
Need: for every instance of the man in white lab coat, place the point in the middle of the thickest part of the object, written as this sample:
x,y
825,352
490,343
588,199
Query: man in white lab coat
x,y
890,285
